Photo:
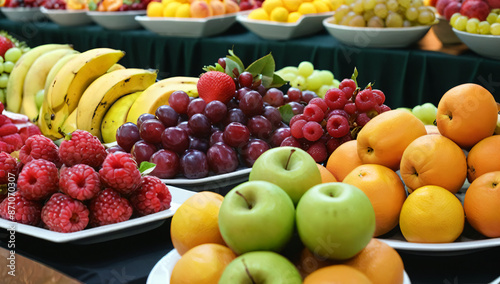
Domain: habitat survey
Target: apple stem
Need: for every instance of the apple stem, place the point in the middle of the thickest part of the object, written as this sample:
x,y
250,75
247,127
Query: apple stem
x,y
288,161
248,272
246,200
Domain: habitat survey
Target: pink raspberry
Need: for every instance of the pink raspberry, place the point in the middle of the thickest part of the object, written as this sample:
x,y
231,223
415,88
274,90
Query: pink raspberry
x,y
64,214
80,182
14,140
29,131
38,180
8,129
8,168
19,209
119,171
109,207
81,147
39,147
153,196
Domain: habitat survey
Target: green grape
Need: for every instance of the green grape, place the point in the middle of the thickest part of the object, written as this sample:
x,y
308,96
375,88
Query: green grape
x,y
404,3
39,98
288,69
460,23
483,28
358,7
417,3
492,18
426,17
8,66
299,82
498,19
1,59
380,10
313,82
357,21
288,76
305,69
471,26
1,68
341,12
4,79
411,14
349,2
13,54
323,89
368,15
326,77
407,24
2,96
495,29
375,22
345,21
394,20
454,17
369,4
392,5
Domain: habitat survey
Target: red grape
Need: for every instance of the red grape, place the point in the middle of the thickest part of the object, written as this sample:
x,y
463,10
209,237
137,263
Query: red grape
x,y
294,94
260,127
142,151
274,97
252,104
279,135
179,101
143,117
215,111
200,125
151,130
196,106
175,138
194,164
222,158
251,151
245,79
167,164
236,134
167,115
126,136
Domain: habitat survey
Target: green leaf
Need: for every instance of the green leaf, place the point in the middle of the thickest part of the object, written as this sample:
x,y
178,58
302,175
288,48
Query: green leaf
x,y
277,81
265,66
146,167
219,68
236,59
355,76
231,65
286,113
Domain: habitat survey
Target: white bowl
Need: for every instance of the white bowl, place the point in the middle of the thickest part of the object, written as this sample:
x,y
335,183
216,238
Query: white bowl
x,y
443,31
307,25
23,14
187,27
376,37
67,18
485,45
117,20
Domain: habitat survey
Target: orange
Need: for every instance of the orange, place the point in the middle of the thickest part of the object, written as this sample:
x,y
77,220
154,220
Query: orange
x,y
196,222
326,175
484,157
385,190
481,203
202,264
338,273
467,114
434,160
308,262
431,214
344,159
380,262
384,138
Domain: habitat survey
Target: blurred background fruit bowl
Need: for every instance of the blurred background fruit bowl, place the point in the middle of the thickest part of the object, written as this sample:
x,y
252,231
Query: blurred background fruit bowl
x,y
23,14
485,45
67,18
117,20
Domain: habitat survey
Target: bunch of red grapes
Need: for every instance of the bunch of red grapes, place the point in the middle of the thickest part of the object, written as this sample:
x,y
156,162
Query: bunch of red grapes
x,y
325,124
55,4
134,5
24,3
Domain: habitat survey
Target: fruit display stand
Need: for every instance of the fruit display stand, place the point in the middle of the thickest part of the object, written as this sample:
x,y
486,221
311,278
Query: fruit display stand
x,y
411,76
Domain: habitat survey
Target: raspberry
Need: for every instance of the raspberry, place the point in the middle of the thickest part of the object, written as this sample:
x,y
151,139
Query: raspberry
x,y
109,207
337,126
39,147
81,147
348,86
312,131
8,168
365,101
335,99
336,111
80,182
318,151
7,129
319,102
153,196
297,129
350,108
216,85
119,171
38,180
295,118
4,147
19,209
314,112
14,141
64,214
29,131
379,96
4,119
362,119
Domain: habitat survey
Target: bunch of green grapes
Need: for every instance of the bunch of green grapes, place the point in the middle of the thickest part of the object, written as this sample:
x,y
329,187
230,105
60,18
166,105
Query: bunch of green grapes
x,y
489,27
383,13
305,77
8,61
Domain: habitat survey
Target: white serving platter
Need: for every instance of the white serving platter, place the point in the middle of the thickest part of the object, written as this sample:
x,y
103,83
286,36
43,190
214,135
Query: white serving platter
x,y
116,20
68,18
23,14
484,45
211,182
107,232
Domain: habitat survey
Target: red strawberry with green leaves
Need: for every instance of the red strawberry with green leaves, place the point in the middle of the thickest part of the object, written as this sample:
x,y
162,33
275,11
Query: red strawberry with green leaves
x,y
5,44
216,85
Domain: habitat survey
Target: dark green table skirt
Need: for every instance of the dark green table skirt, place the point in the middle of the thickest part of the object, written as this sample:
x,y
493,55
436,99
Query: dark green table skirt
x,y
408,76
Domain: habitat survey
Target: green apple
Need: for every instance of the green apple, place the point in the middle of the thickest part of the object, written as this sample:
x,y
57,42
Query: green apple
x,y
291,168
260,267
426,113
256,215
335,220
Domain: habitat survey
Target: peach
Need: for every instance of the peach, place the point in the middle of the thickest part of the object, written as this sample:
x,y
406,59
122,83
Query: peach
x,y
218,7
201,9
231,6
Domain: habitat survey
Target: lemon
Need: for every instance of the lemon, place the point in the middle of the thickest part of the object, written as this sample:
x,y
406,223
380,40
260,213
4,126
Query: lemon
x,y
155,9
166,2
279,14
183,11
170,9
321,7
291,5
258,14
294,17
307,8
269,5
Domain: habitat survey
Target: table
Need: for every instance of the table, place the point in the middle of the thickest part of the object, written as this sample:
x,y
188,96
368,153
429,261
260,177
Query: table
x,y
409,76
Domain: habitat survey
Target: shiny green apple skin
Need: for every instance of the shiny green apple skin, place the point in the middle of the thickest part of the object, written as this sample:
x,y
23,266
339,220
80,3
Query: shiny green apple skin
x,y
296,178
335,220
263,267
264,219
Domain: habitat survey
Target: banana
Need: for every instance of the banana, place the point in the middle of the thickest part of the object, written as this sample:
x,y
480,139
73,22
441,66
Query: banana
x,y
57,66
15,84
116,116
116,67
105,90
158,94
77,74
69,124
43,117
35,79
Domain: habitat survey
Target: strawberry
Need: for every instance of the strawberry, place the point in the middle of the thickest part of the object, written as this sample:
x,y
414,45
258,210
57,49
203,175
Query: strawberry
x,y
5,44
216,85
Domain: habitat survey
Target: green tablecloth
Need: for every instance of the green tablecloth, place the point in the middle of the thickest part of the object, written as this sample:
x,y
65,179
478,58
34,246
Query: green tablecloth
x,y
408,76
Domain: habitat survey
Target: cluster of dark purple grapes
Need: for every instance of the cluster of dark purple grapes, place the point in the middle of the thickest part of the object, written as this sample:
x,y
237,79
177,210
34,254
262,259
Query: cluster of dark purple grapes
x,y
135,5
24,3
55,4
